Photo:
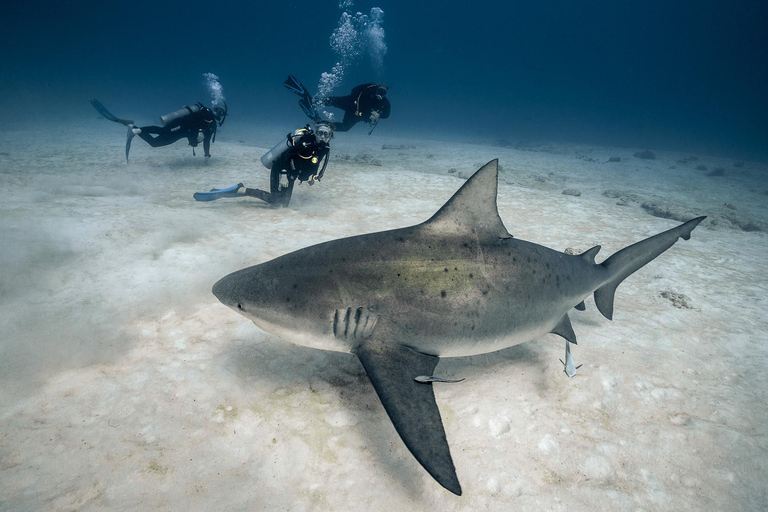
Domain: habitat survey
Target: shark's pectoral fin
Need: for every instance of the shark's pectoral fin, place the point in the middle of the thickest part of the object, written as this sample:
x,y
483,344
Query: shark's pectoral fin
x,y
564,329
411,405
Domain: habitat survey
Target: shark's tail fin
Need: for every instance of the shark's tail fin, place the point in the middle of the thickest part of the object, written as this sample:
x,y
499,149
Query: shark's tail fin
x,y
630,259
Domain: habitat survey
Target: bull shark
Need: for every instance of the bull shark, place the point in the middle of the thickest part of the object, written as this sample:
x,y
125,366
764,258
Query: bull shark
x,y
456,285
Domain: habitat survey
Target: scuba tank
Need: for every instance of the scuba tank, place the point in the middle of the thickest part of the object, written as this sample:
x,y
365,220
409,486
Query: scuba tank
x,y
276,152
181,113
273,154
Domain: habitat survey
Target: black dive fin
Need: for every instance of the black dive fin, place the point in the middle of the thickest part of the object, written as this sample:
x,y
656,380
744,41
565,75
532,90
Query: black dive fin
x,y
101,109
296,87
411,405
630,259
128,138
309,109
564,329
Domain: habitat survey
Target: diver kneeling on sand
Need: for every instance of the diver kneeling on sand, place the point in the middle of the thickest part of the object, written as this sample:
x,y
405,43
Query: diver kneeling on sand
x,y
366,103
300,157
197,123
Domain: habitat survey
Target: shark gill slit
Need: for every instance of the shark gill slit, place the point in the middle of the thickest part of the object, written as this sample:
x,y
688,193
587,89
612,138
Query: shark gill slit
x,y
358,315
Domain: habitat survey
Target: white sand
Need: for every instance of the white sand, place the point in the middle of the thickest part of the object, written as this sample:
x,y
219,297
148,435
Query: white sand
x,y
127,386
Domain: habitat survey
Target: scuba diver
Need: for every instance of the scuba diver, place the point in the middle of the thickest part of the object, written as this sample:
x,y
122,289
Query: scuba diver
x,y
197,123
303,156
366,103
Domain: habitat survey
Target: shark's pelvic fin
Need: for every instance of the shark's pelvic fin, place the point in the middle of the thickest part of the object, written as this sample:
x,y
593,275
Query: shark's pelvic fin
x,y
564,329
630,259
411,405
472,209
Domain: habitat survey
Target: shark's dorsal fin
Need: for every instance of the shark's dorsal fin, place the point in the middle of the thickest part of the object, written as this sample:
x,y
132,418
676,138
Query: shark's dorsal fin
x,y
589,255
472,209
411,404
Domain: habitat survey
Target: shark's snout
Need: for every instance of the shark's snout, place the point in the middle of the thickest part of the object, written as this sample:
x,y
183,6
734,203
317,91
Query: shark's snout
x,y
226,292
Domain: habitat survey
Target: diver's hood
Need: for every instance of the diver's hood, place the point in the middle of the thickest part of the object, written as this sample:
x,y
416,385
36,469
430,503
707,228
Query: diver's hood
x,y
220,113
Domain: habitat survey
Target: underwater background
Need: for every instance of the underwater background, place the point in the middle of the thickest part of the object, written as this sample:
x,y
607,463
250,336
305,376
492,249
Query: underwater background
x,y
126,385
686,75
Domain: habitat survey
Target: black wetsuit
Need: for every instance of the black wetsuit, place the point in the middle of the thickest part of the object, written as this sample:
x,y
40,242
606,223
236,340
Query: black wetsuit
x,y
358,106
301,161
186,127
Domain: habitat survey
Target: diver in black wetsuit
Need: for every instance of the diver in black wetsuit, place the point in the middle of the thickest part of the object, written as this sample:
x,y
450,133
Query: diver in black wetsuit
x,y
197,123
303,156
366,102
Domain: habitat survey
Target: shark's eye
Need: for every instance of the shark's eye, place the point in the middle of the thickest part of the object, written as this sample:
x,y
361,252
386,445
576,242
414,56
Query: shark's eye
x,y
239,306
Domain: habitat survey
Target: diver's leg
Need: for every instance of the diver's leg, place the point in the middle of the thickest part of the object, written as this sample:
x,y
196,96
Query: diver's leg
x,y
342,102
157,136
257,193
350,120
101,109
287,193
280,185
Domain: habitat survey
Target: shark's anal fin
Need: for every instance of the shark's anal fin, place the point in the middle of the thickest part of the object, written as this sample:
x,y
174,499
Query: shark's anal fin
x,y
564,329
411,405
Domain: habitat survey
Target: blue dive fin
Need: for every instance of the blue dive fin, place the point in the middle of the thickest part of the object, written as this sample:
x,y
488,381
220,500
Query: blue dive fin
x,y
218,193
296,87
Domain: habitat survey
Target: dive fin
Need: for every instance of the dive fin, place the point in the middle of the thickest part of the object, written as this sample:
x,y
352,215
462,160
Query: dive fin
x,y
101,109
128,138
309,109
292,84
411,405
218,193
296,87
630,259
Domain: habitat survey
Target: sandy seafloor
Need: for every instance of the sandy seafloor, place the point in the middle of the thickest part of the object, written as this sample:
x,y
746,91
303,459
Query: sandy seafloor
x,y
127,386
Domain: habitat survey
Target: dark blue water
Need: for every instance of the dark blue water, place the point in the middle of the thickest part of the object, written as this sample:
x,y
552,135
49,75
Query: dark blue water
x,y
688,75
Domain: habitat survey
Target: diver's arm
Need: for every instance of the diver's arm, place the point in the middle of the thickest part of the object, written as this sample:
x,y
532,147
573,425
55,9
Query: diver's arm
x,y
385,106
325,164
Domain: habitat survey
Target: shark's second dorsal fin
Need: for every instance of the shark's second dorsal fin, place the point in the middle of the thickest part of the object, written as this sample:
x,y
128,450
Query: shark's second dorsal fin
x,y
473,207
589,255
